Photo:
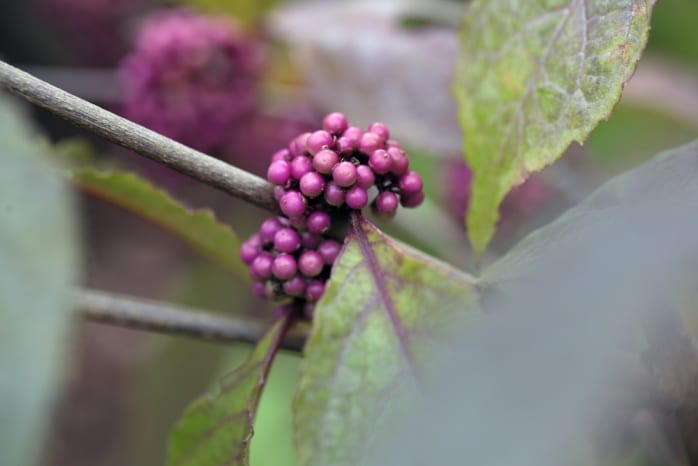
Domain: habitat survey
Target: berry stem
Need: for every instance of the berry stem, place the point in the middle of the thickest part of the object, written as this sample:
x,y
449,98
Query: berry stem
x,y
213,172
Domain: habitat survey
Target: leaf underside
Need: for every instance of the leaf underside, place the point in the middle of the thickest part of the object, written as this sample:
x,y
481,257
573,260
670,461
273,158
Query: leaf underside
x,y
216,430
532,77
198,228
386,307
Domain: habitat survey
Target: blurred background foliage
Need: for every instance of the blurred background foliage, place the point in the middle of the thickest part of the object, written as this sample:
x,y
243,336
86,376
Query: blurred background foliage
x,y
126,388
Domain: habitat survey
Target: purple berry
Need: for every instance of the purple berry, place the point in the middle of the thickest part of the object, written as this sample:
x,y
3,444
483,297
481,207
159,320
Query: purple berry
x,y
312,184
356,198
292,204
269,228
295,286
380,161
400,163
314,290
284,267
259,289
279,172
300,166
364,176
370,142
387,202
298,145
319,140
325,160
335,123
299,223
380,129
249,252
279,191
345,145
282,154
334,195
311,263
410,183
353,133
329,250
344,174
287,240
412,200
261,267
319,222
310,240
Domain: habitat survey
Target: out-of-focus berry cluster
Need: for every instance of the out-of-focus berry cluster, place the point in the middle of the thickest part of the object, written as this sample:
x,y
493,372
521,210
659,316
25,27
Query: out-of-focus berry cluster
x,y
320,178
190,77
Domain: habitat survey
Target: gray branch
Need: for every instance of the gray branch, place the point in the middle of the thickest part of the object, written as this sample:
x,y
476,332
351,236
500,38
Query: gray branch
x,y
125,133
141,314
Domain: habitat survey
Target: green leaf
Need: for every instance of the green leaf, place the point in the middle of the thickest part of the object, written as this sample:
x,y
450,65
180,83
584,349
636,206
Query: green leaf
x,y
385,307
216,430
198,228
245,11
532,77
38,268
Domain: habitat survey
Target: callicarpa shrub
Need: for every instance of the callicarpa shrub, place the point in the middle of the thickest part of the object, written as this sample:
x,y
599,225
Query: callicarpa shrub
x,y
190,77
320,178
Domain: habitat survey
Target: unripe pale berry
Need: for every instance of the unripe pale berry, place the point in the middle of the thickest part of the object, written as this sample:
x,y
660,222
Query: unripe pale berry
x,y
410,183
292,204
344,174
312,184
284,267
325,160
279,172
334,195
319,222
300,166
356,198
287,240
335,123
380,162
319,140
311,263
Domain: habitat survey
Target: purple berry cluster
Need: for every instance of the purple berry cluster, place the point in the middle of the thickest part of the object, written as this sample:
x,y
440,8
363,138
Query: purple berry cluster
x,y
319,178
190,77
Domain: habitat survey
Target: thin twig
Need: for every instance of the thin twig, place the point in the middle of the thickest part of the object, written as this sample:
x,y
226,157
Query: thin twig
x,y
125,133
126,311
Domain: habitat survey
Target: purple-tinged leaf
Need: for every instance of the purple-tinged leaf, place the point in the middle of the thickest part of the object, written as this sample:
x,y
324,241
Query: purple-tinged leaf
x,y
198,228
216,430
385,309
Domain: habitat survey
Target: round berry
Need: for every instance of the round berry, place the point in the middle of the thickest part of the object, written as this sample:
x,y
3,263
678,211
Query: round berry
x,y
314,290
287,240
380,129
269,228
300,166
356,198
412,200
279,172
400,163
329,250
312,184
284,267
278,192
310,240
364,176
319,222
410,183
380,162
344,174
298,146
319,140
345,145
259,289
295,286
292,204
387,202
353,133
392,143
249,252
261,267
334,195
282,154
335,123
311,263
299,223
370,142
325,160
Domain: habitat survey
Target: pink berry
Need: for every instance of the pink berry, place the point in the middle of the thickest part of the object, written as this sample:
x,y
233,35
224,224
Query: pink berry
x,y
292,204
279,172
353,133
380,161
310,240
356,198
269,228
284,267
310,263
380,129
295,286
319,140
334,195
370,142
329,250
335,123
412,200
345,145
312,184
314,290
262,266
387,202
282,154
287,240
325,160
300,166
319,222
344,174
259,289
249,252
400,163
298,146
410,183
